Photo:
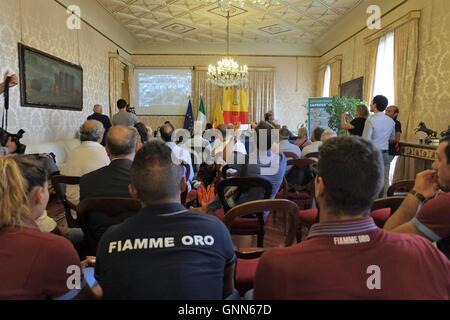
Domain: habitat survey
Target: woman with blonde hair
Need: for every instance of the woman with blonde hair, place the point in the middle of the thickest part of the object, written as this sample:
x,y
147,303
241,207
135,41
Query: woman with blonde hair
x,y
34,265
302,139
356,125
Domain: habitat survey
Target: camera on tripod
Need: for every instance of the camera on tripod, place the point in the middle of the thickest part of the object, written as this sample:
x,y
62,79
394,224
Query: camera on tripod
x,y
4,134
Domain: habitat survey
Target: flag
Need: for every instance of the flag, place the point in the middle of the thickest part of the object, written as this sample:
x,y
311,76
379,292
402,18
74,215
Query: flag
x,y
235,105
218,115
202,114
189,120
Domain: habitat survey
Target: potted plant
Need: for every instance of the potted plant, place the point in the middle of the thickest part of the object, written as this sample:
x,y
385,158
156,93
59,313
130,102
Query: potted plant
x,y
339,106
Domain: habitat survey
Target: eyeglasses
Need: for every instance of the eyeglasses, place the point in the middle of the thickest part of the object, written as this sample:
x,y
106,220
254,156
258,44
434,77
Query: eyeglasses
x,y
314,170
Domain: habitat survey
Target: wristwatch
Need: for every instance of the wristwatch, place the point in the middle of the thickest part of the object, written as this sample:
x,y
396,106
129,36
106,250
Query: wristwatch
x,y
418,195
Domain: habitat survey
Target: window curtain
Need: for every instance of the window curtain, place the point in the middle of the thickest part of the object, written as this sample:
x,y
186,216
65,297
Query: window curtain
x,y
384,74
115,86
117,65
370,60
406,61
327,82
335,80
321,81
261,83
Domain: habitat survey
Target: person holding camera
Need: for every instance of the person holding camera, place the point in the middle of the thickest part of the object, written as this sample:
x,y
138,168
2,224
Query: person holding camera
x,y
10,146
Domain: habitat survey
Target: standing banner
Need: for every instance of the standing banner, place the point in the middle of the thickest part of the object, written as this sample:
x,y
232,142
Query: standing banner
x,y
317,115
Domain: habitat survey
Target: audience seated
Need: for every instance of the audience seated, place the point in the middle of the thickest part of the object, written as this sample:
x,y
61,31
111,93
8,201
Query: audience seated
x,y
165,251
144,132
179,153
316,142
286,146
302,140
104,119
346,256
430,198
33,264
87,157
112,180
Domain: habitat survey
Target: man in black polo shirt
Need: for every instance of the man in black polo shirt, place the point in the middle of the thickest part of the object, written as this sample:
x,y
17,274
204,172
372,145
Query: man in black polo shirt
x,y
165,251
104,119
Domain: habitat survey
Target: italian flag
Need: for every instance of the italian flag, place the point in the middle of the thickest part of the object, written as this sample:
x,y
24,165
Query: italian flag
x,y
202,113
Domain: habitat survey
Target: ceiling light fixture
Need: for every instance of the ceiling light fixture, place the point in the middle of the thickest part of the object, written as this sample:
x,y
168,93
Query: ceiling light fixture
x,y
227,72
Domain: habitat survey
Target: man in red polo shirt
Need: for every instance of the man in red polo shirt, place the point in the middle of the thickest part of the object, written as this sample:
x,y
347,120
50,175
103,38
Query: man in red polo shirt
x,y
432,220
346,256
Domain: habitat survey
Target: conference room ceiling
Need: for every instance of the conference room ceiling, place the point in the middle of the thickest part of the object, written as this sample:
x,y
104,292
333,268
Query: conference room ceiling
x,y
200,26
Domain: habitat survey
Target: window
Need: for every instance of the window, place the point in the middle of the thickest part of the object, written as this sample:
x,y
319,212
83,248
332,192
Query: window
x,y
384,73
327,81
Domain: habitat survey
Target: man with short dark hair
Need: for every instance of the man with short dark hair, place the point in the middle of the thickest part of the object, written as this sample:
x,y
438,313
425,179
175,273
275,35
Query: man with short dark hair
x,y
165,251
380,129
432,190
123,117
179,153
346,256
112,180
104,119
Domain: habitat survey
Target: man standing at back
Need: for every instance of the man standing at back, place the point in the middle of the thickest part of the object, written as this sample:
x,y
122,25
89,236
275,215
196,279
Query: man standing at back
x,y
165,251
112,180
346,256
124,118
380,129
104,119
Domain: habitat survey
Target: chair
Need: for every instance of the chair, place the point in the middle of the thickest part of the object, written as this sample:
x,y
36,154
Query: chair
x,y
248,258
59,182
383,208
290,155
314,155
400,188
112,207
245,226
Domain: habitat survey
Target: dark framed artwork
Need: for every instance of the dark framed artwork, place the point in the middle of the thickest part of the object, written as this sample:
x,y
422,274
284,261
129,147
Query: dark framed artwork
x,y
49,82
353,88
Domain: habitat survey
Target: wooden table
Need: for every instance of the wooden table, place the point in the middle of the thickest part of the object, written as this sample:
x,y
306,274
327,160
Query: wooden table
x,y
413,149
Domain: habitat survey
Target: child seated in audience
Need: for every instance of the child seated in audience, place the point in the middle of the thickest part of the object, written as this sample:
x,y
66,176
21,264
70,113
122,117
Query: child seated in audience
x,y
34,265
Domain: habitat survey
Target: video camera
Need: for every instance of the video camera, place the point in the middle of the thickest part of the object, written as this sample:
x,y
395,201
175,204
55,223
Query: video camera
x,y
4,134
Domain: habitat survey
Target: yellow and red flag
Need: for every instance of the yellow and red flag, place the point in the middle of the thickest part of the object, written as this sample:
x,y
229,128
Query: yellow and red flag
x,y
235,105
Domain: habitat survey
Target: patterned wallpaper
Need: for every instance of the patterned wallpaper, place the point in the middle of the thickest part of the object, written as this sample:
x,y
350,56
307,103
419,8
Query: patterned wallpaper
x,y
292,88
50,35
432,92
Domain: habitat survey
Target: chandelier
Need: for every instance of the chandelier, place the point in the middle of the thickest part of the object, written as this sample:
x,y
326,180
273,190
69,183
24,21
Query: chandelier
x,y
227,72
225,4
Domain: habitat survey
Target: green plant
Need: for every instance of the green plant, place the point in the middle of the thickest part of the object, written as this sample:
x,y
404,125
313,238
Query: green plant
x,y
339,106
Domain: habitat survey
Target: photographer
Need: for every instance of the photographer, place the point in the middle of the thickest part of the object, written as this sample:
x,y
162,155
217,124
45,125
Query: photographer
x,y
11,146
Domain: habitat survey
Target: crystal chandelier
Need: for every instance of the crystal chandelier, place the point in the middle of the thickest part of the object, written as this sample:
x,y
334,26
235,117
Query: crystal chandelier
x,y
228,73
225,4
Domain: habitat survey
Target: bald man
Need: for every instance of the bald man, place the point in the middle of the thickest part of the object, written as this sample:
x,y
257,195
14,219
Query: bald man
x,y
97,115
112,180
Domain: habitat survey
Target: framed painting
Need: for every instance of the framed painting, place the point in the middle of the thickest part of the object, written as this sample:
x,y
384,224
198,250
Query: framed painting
x,y
49,82
353,89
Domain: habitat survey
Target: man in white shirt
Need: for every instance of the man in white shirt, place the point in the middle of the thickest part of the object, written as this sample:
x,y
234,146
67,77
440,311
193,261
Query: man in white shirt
x,y
316,142
286,146
89,156
380,129
181,154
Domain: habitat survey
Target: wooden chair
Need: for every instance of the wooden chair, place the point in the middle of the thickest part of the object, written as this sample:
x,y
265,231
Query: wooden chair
x,y
109,206
245,226
383,208
290,155
248,258
400,188
314,155
59,182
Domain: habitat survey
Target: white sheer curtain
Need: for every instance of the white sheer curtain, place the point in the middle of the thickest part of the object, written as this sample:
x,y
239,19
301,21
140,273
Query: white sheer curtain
x,y
384,74
327,81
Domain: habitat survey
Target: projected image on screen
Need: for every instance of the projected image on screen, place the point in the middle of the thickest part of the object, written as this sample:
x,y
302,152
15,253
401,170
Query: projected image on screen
x,y
163,91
